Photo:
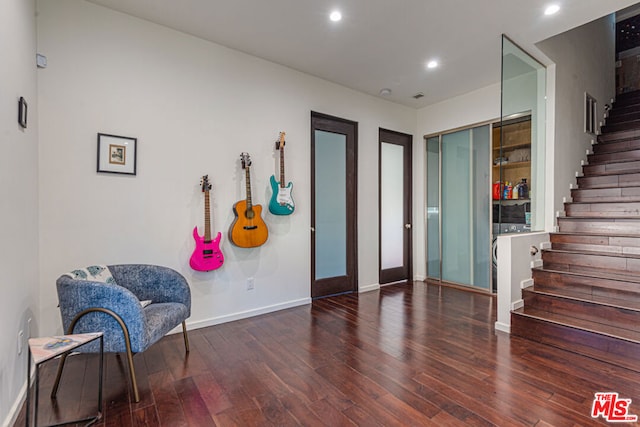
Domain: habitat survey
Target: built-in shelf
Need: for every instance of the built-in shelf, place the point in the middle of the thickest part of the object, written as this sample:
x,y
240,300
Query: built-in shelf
x,y
513,146
510,165
511,201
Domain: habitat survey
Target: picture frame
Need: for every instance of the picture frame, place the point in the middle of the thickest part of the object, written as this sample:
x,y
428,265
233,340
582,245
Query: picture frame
x,y
117,154
22,112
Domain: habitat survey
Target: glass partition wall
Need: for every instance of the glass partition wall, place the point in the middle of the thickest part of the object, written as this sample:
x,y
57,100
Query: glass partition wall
x,y
487,180
519,144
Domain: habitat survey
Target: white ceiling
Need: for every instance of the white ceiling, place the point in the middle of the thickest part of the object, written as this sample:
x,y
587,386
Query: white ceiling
x,y
379,43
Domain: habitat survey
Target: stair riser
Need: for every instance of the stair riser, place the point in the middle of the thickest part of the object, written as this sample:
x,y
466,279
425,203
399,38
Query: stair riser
x,y
555,281
606,244
626,115
619,136
615,316
624,99
623,226
603,210
611,168
613,157
614,147
623,110
620,126
620,194
618,352
567,261
624,180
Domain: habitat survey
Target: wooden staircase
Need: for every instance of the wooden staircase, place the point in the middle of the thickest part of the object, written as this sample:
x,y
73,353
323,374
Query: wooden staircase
x,y
586,295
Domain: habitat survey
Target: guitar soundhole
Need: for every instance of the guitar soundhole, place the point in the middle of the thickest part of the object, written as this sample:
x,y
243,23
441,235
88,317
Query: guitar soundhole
x,y
249,214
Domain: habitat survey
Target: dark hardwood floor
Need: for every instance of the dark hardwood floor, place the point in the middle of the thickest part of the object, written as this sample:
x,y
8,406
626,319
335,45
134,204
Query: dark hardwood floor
x,y
413,354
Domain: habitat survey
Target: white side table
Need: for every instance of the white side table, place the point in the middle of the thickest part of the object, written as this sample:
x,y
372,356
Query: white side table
x,y
46,348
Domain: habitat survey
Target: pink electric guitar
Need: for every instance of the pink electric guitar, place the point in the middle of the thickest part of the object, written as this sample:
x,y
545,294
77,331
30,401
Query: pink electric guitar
x,y
207,255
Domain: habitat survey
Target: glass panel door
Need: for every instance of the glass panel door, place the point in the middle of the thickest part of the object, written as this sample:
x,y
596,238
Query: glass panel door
x,y
465,207
331,220
334,183
395,183
391,203
433,207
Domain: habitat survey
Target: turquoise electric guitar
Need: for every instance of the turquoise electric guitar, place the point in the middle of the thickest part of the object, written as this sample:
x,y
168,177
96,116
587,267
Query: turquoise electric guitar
x,y
281,202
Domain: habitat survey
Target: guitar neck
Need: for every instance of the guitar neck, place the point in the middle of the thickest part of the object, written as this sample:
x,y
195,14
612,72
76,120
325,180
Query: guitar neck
x,y
248,183
282,181
207,215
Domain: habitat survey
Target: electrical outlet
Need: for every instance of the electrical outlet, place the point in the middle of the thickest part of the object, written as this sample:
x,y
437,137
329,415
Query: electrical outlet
x,y
20,342
250,284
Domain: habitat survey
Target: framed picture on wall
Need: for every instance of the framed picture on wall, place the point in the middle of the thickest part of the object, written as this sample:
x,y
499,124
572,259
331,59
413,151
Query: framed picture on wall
x,y
117,154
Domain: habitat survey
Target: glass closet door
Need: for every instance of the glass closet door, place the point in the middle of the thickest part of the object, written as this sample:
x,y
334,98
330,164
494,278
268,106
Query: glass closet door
x,y
465,203
433,207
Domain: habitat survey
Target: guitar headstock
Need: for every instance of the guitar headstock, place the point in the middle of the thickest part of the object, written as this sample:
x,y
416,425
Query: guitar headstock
x,y
246,160
280,142
206,185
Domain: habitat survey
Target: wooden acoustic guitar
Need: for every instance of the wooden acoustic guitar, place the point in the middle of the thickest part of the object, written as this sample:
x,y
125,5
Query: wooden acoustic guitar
x,y
207,255
248,229
281,202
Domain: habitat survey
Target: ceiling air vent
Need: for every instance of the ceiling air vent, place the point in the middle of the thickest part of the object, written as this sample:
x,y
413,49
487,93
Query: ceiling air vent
x,y
418,95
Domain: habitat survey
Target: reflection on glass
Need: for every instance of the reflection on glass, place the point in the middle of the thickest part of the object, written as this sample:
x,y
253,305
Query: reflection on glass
x,y
465,207
433,207
523,93
456,208
392,202
330,209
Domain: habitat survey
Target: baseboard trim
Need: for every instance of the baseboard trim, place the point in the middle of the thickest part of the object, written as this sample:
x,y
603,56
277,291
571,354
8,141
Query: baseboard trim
x,y
502,327
368,288
242,315
12,416
418,278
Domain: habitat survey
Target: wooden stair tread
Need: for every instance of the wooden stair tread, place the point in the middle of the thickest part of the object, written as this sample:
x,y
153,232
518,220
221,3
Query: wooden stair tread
x,y
602,219
581,324
575,252
625,304
595,234
595,202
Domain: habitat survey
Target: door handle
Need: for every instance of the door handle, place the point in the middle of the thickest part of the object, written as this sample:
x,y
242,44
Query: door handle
x,y
407,226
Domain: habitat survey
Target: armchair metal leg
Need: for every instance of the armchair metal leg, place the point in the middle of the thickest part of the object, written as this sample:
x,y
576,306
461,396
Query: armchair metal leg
x,y
127,342
186,337
56,384
132,371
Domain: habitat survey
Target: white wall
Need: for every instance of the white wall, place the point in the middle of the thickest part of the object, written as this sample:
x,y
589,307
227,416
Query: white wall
x,y
515,249
19,196
584,62
194,106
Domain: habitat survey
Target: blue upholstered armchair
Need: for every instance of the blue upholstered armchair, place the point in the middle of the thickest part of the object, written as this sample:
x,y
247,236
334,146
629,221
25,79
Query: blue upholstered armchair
x,y
134,305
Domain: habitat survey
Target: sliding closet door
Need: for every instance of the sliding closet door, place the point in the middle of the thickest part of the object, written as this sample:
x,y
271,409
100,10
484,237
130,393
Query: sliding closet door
x,y
433,207
465,202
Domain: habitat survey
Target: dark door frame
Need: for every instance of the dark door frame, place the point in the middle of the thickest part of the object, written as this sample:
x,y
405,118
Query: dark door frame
x,y
405,272
348,283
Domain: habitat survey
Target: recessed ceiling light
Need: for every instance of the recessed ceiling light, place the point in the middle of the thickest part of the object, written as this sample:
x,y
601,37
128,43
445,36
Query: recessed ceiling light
x,y
552,9
432,64
385,91
335,16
